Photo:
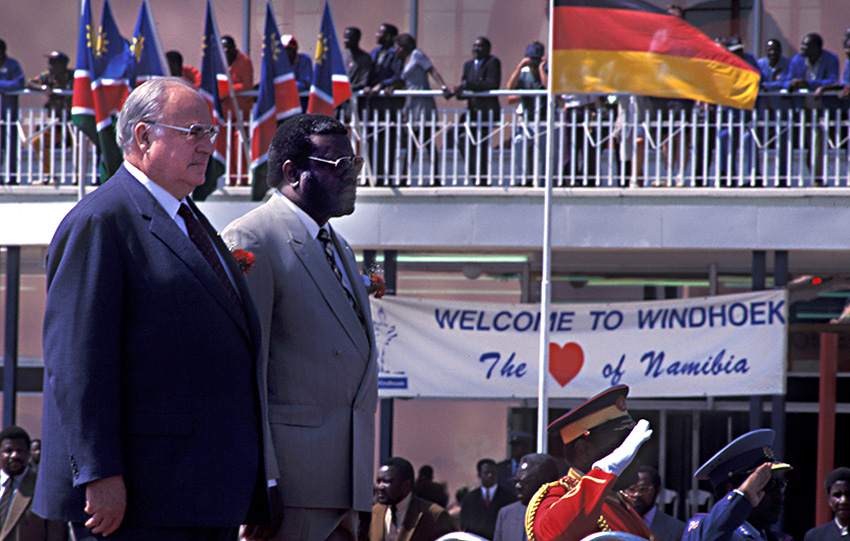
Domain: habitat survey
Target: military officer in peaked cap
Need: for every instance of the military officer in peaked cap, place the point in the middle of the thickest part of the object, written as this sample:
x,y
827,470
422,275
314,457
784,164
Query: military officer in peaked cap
x,y
750,488
600,441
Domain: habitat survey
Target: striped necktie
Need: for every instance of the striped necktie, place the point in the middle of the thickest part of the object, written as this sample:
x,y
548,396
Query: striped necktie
x,y
6,499
328,247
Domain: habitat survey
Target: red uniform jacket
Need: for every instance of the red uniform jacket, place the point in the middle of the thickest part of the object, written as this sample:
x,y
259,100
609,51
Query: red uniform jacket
x,y
577,505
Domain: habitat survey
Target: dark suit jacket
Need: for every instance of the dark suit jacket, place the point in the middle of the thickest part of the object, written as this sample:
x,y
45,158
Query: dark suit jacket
x,y
424,521
824,532
505,476
487,77
149,368
22,524
665,527
480,519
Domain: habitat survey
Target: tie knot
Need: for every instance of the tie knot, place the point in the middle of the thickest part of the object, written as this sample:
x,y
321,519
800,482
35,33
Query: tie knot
x,y
323,235
185,212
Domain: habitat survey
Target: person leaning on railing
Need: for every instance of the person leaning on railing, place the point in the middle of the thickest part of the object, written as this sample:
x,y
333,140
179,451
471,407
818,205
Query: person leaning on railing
x,y
57,77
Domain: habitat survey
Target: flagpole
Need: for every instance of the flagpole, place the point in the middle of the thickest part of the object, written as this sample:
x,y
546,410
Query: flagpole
x,y
546,271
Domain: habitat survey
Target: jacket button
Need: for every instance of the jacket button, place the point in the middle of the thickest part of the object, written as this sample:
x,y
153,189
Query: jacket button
x,y
337,354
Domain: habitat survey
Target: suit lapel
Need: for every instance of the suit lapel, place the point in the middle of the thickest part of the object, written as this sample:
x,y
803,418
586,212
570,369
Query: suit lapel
x,y
411,520
236,274
316,266
163,227
20,503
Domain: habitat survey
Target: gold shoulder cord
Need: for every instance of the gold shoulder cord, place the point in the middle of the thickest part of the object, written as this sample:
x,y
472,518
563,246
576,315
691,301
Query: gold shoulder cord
x,y
533,505
535,502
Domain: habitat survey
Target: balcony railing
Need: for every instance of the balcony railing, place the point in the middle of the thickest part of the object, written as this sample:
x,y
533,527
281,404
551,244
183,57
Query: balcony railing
x,y
788,140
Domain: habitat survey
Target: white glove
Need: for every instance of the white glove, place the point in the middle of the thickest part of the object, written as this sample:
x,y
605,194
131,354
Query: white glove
x,y
622,456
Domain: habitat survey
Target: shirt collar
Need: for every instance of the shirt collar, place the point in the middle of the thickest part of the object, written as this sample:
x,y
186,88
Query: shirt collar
x,y
167,201
309,223
401,507
647,518
16,478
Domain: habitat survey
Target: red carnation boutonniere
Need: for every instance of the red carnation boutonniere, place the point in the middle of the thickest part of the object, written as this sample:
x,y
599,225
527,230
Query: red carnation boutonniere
x,y
374,281
247,261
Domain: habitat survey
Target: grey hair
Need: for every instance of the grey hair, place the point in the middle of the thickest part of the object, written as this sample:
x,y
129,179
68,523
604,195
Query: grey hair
x,y
144,103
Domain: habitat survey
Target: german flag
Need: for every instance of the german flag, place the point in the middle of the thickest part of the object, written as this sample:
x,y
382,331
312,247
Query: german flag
x,y
603,46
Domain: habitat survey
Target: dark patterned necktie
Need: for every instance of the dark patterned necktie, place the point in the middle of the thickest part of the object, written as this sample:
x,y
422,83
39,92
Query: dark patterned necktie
x,y
200,238
328,246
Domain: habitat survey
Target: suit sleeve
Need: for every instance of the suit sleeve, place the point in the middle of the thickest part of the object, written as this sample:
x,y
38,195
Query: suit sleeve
x,y
82,343
500,522
261,284
577,510
725,517
443,524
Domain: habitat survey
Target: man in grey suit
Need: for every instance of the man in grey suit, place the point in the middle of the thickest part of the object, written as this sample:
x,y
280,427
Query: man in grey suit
x,y
643,495
318,377
534,471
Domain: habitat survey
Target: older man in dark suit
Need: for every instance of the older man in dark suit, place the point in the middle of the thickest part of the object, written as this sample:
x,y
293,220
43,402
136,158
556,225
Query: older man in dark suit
x,y
17,478
400,515
151,424
318,371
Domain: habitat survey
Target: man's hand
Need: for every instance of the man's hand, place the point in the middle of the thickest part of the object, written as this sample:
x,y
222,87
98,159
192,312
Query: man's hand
x,y
261,532
753,486
106,502
622,456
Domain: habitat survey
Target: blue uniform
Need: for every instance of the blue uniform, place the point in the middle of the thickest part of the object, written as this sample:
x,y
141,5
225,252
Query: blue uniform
x,y
727,521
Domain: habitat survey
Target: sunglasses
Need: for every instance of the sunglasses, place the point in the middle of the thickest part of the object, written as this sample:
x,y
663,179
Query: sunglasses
x,y
342,165
194,133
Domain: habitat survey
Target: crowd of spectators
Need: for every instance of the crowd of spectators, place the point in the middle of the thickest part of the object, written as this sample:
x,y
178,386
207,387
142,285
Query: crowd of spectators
x,y
809,83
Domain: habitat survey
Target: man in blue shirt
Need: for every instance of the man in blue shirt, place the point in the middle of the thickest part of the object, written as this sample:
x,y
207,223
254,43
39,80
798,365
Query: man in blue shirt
x,y
774,67
811,69
11,80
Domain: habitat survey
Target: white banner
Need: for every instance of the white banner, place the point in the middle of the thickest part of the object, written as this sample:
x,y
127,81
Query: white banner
x,y
730,345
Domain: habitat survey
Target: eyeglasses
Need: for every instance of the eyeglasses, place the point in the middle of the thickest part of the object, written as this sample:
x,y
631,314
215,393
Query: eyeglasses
x,y
194,133
342,165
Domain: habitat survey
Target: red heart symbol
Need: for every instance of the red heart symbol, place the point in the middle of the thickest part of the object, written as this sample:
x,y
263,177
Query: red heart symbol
x,y
565,362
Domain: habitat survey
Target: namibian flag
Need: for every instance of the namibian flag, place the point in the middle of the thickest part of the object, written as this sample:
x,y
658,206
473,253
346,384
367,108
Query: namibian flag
x,y
278,99
214,78
146,57
330,82
100,84
82,102
602,46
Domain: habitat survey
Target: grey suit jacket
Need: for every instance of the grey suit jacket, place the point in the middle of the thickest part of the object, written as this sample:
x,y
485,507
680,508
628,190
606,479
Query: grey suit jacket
x,y
665,527
510,526
317,368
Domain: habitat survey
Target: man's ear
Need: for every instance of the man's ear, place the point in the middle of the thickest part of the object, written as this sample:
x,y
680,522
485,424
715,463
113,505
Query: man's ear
x,y
142,134
291,173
